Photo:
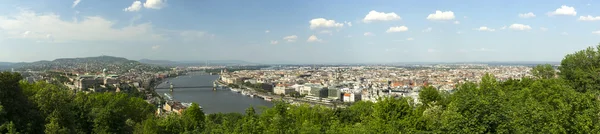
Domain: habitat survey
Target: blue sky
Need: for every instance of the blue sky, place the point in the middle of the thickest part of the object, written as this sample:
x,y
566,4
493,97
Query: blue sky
x,y
301,31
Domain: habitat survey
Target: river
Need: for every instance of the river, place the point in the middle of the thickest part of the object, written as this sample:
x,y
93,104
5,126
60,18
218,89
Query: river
x,y
222,100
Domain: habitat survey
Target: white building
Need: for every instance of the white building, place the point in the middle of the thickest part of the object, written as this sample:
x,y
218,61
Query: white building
x,y
351,97
282,89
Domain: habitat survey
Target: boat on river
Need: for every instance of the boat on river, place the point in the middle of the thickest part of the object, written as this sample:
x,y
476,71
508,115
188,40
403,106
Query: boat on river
x,y
168,96
188,104
235,90
245,93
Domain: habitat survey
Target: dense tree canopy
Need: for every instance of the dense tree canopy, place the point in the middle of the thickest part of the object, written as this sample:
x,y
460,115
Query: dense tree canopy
x,y
543,71
582,69
542,104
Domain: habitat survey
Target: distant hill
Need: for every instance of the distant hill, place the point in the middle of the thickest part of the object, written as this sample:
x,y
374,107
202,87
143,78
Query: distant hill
x,y
6,63
195,63
92,64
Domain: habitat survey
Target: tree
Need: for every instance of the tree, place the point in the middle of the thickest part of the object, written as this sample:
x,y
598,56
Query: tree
x,y
582,69
53,127
194,118
390,115
17,108
545,71
250,122
429,95
477,109
148,126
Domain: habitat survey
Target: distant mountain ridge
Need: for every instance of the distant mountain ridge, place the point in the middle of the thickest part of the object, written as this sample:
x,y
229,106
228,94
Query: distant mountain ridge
x,y
93,64
6,63
194,63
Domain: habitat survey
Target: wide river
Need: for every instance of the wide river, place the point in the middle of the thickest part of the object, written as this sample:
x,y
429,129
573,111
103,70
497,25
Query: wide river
x,y
222,100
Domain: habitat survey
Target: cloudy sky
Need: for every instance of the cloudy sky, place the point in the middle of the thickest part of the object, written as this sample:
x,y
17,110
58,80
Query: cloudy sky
x,y
302,31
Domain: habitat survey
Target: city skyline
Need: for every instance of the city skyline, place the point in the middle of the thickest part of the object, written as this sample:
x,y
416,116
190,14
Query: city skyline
x,y
305,32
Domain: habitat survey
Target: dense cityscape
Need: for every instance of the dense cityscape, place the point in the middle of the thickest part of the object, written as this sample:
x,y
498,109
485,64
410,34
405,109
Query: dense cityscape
x,y
326,85
355,83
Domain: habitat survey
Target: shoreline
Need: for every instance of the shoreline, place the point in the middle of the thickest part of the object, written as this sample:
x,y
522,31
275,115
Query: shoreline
x,y
290,100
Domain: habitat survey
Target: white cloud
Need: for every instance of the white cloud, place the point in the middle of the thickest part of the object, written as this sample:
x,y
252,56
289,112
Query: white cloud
x,y
313,38
409,39
519,27
397,29
589,18
349,36
274,42
26,33
484,28
155,4
291,38
89,29
324,23
428,29
564,33
527,15
155,47
459,32
348,23
503,27
457,22
135,6
543,29
267,31
75,3
439,15
564,10
380,16
596,32
432,50
369,34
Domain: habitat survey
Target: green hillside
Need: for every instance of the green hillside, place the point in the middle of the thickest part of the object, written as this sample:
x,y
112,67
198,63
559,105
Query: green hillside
x,y
89,64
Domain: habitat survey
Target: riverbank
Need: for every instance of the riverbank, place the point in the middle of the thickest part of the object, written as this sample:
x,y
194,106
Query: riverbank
x,y
296,101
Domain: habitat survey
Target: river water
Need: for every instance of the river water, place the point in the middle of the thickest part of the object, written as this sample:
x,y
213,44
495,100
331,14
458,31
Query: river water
x,y
222,100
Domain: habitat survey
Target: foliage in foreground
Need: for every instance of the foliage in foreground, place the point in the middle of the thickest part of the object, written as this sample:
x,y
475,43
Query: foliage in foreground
x,y
543,104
